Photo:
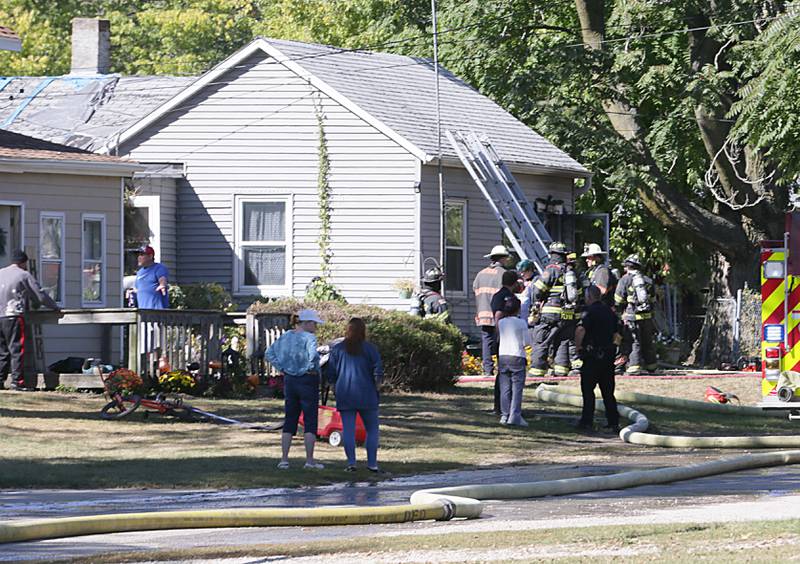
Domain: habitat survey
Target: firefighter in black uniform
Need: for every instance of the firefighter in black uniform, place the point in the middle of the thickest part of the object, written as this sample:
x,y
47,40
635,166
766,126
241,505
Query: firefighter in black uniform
x,y
548,290
429,300
598,274
634,297
565,357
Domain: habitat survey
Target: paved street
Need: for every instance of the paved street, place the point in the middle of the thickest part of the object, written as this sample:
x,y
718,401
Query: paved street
x,y
752,495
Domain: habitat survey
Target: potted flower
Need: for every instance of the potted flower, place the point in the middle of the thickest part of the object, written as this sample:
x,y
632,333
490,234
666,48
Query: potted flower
x,y
404,287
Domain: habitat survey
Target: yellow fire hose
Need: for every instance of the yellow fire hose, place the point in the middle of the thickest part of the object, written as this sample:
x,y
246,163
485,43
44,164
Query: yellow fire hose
x,y
432,504
439,509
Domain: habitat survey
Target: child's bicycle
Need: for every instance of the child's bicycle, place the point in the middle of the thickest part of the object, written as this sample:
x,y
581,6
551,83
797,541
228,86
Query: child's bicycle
x,y
123,405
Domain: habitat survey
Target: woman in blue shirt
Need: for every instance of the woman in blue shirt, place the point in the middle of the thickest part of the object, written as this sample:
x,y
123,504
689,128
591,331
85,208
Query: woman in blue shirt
x,y
355,369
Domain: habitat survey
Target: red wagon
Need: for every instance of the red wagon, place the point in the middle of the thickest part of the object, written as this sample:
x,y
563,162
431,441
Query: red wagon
x,y
329,426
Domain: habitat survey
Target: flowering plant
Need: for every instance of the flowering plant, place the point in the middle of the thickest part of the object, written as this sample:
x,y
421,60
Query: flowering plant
x,y
470,365
176,381
124,381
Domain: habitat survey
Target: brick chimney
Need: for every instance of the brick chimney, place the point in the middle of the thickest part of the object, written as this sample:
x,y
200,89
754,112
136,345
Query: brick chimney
x,y
91,46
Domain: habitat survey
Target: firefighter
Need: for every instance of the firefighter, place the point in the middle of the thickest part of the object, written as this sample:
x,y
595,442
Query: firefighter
x,y
634,297
548,295
429,299
565,356
598,274
487,282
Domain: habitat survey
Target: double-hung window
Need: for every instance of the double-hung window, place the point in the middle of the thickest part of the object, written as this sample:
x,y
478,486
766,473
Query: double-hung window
x,y
262,244
93,259
455,267
51,254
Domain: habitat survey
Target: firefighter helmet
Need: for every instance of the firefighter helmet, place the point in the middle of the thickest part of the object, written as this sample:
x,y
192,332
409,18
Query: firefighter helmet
x,y
593,249
633,260
558,247
498,251
433,274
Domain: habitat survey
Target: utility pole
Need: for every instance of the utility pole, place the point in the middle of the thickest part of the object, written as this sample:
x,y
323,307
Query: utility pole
x,y
442,210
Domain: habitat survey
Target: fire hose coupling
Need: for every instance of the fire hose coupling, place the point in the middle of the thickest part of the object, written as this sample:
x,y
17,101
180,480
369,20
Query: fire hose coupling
x,y
449,510
788,384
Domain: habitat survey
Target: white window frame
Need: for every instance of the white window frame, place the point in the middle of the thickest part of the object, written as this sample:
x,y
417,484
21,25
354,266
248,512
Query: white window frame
x,y
101,217
238,260
63,269
153,205
21,206
461,203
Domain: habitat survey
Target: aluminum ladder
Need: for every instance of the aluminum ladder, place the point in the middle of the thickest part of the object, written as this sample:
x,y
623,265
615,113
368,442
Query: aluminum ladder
x,y
520,222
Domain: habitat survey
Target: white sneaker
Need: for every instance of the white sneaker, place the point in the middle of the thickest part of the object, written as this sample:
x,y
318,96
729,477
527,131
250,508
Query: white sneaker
x,y
518,423
313,466
504,419
283,465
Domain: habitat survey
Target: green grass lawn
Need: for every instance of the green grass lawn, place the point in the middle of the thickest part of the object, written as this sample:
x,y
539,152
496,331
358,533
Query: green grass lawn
x,y
58,440
730,542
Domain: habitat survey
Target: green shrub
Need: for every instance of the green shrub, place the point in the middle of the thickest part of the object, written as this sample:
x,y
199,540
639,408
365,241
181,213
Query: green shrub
x,y
205,295
418,354
320,290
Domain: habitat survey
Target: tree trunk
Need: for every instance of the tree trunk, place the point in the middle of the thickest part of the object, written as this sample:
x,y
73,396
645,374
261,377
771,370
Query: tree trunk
x,y
728,233
715,345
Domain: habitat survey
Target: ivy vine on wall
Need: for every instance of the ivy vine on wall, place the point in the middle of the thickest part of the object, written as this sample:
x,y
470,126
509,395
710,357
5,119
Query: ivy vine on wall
x,y
321,288
324,193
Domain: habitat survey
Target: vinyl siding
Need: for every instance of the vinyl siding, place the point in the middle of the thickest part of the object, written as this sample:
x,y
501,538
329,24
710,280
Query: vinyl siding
x,y
255,133
483,229
72,195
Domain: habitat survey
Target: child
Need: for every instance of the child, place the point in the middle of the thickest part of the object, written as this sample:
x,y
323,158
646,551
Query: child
x,y
514,337
295,355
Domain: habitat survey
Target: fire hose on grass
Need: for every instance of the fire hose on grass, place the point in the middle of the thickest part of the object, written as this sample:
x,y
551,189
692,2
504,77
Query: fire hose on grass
x,y
438,503
635,432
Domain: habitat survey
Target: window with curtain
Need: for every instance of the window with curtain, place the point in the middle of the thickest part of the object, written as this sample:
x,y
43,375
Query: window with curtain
x,y
261,243
455,246
93,260
51,254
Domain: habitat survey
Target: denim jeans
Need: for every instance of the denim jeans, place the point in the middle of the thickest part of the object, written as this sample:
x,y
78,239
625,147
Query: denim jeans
x,y
512,382
301,395
488,348
370,419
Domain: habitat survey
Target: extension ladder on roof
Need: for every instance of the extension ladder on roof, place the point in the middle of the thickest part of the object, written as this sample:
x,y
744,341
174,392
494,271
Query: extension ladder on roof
x,y
516,215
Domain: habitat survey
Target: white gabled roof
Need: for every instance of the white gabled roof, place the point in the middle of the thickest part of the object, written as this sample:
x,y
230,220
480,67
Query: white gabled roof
x,y
395,94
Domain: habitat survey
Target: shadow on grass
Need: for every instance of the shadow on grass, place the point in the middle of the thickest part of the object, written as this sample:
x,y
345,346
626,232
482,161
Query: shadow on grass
x,y
200,472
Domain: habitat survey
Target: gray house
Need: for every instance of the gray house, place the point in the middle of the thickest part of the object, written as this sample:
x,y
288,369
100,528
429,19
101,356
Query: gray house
x,y
230,191
63,205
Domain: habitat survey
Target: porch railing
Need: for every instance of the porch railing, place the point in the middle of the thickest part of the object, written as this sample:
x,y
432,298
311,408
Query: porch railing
x,y
263,329
181,337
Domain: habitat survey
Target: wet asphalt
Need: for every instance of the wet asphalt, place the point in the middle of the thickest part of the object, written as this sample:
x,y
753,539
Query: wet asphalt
x,y
742,495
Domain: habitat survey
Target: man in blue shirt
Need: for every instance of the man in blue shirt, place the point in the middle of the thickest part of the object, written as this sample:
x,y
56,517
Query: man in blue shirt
x,y
295,355
151,281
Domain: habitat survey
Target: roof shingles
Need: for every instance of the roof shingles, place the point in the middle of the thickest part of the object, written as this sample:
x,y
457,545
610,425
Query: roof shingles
x,y
399,91
16,146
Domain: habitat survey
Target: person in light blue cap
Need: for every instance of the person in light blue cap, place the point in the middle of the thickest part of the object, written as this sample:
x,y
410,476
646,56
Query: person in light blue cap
x,y
295,355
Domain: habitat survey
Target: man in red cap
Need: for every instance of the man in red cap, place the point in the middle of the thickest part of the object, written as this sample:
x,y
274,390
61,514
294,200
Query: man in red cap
x,y
151,281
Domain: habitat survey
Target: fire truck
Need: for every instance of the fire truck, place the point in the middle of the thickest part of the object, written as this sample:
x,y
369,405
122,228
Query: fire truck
x,y
780,321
